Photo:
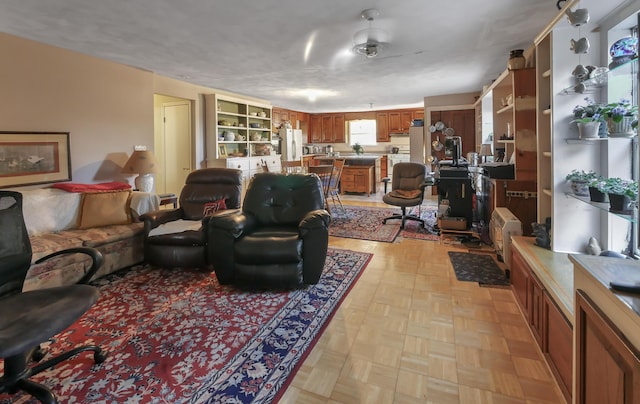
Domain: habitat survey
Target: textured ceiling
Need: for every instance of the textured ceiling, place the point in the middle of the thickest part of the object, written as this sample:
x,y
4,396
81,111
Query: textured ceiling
x,y
274,49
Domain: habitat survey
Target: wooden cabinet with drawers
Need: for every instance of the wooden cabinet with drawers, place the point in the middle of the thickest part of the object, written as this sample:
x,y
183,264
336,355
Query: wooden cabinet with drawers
x,y
552,331
357,179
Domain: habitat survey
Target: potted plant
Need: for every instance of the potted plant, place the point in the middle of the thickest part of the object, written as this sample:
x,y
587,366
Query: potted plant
x,y
595,194
579,181
623,194
622,118
590,119
358,148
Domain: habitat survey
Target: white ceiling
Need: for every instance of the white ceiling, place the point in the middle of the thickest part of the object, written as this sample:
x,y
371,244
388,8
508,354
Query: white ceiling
x,y
273,49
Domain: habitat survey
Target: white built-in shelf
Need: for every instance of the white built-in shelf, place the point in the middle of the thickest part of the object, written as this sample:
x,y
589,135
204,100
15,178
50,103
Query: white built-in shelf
x,y
509,141
546,74
547,192
505,109
602,206
588,141
546,154
546,111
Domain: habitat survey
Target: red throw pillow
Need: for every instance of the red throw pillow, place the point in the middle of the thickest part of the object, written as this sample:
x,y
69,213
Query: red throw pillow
x,y
212,207
105,186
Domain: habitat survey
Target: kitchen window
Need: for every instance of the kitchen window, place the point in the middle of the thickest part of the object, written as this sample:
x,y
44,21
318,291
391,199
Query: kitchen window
x,y
362,131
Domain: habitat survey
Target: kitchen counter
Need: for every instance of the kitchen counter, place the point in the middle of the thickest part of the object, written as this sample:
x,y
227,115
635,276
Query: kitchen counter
x,y
348,157
593,274
354,180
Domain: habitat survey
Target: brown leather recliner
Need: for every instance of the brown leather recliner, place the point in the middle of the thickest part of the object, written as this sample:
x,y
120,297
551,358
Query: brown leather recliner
x,y
280,237
187,248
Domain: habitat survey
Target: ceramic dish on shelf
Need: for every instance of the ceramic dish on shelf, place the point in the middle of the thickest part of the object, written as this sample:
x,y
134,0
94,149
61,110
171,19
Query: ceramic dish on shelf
x,y
254,114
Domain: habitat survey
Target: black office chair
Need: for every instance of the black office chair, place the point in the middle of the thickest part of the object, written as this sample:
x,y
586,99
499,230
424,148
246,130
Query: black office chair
x,y
30,318
407,190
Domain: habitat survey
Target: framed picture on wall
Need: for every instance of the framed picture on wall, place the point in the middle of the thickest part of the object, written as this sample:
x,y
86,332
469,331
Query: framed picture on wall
x,y
29,158
222,150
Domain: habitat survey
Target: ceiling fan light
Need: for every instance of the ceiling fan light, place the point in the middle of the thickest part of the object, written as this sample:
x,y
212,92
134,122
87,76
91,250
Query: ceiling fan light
x,y
369,49
369,41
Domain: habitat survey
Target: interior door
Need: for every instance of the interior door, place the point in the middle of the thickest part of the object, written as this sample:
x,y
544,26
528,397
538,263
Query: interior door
x,y
176,155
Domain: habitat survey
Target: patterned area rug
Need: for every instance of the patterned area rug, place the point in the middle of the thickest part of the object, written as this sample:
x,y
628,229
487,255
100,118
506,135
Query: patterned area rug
x,y
177,336
479,268
413,229
365,223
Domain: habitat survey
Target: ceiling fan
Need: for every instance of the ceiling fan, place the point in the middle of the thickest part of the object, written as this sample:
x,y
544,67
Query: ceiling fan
x,y
370,41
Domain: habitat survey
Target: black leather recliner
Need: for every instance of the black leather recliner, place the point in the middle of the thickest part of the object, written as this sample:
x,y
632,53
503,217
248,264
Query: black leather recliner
x,y
187,249
280,237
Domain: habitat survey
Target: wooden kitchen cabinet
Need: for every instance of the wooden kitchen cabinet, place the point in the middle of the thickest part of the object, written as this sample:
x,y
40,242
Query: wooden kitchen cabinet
x,y
315,128
327,128
559,345
384,168
607,366
400,121
338,128
536,309
520,280
552,331
357,179
382,127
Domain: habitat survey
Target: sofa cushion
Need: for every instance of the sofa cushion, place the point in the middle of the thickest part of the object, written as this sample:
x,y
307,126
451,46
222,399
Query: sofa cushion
x,y
48,243
99,209
97,236
49,210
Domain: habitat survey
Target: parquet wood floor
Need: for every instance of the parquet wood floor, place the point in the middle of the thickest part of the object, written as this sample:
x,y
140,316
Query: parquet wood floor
x,y
409,332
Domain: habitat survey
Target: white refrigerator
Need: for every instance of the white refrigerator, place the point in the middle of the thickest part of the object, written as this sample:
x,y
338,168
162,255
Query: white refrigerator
x,y
291,144
417,142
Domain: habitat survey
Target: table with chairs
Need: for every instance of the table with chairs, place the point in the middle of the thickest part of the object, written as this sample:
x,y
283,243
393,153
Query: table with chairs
x,y
324,171
292,167
330,178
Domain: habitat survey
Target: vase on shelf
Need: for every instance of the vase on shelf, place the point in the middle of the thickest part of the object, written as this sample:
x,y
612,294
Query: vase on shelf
x,y
589,130
621,204
622,128
580,188
595,195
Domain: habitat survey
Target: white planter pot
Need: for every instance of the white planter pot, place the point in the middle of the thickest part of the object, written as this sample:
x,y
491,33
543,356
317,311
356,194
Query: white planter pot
x,y
622,128
588,130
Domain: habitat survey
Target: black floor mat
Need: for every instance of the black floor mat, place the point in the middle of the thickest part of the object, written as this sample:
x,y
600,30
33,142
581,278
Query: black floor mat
x,y
479,268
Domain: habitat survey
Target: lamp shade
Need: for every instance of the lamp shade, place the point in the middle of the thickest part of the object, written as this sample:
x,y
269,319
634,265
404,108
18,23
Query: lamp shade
x,y
485,150
141,162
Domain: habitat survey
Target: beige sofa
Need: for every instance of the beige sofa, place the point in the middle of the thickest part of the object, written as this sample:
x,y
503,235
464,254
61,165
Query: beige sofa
x,y
107,221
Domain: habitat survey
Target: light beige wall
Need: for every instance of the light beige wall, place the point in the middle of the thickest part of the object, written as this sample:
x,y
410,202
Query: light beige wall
x,y
106,107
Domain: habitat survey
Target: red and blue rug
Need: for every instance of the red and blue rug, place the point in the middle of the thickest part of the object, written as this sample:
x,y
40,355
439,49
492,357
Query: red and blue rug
x,y
365,223
177,336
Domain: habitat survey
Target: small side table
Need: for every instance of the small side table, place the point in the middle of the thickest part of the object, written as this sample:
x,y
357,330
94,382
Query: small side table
x,y
167,199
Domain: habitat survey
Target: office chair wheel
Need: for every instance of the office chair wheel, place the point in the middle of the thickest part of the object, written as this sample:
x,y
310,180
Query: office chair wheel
x,y
37,354
99,356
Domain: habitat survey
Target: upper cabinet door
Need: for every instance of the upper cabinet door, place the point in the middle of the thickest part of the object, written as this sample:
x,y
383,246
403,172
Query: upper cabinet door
x,y
382,127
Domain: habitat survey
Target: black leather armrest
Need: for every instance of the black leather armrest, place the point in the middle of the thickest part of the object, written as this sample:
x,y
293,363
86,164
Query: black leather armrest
x,y
231,221
317,219
156,218
95,255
